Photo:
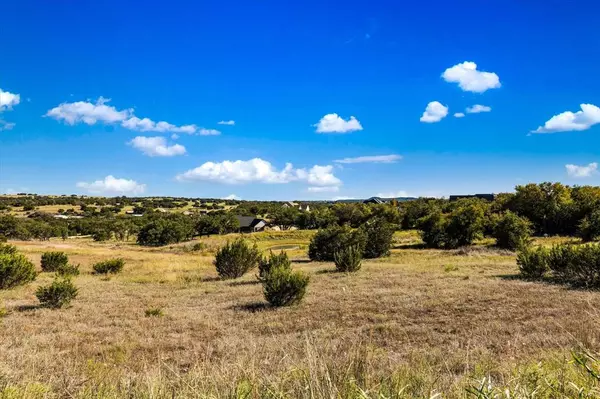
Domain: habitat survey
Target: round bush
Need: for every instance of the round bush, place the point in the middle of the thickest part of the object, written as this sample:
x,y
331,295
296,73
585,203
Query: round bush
x,y
8,249
379,234
589,228
348,259
283,287
165,231
235,259
58,294
51,261
112,266
512,231
15,269
265,265
327,242
533,261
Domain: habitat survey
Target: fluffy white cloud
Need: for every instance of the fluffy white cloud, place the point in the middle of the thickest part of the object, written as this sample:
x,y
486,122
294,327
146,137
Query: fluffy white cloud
x,y
434,112
100,112
230,123
257,170
112,185
459,115
8,100
333,123
232,197
6,125
156,146
583,170
569,121
324,189
371,159
470,79
394,194
478,108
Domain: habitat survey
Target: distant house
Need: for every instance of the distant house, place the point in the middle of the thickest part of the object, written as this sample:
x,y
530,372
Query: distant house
x,y
188,213
289,204
130,212
374,200
488,197
61,217
250,224
161,210
304,207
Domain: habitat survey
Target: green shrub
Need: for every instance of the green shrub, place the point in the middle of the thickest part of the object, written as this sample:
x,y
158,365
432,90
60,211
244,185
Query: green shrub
x,y
154,312
165,231
433,229
532,261
379,234
68,270
326,242
283,287
348,259
15,269
465,224
576,264
8,249
102,235
58,294
51,261
235,259
589,228
512,231
112,266
265,265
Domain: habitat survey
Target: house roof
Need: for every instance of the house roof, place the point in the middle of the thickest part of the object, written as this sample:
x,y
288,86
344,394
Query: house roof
x,y
248,221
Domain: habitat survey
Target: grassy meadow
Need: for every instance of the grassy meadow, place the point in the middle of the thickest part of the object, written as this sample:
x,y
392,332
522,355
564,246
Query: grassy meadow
x,y
420,323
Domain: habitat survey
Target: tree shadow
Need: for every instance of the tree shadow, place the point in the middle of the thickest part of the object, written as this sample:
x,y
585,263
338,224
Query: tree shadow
x,y
252,307
27,308
301,261
410,246
245,282
328,271
549,281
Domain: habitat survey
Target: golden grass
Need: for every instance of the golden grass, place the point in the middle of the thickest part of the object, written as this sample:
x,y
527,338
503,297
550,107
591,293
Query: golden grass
x,y
414,324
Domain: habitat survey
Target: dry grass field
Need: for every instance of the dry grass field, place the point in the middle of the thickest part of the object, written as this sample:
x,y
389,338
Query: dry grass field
x,y
419,323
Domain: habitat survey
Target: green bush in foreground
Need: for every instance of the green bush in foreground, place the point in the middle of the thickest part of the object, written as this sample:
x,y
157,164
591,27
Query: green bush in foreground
x,y
379,234
236,259
58,294
68,270
348,259
112,266
512,231
326,242
15,269
283,287
533,261
51,261
265,265
8,249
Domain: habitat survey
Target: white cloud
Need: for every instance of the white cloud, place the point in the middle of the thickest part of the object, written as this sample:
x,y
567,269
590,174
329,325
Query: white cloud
x,y
324,189
459,115
8,100
333,123
6,125
112,185
478,108
434,112
371,159
232,197
100,112
156,146
259,171
394,194
470,79
230,123
583,170
174,136
569,121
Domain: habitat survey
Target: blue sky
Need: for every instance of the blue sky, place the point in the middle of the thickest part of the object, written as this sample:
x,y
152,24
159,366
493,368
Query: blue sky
x,y
291,77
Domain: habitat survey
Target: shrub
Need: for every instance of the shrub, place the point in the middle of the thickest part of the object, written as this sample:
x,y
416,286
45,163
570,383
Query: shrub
x,y
379,234
433,229
15,269
109,266
576,264
58,294
512,231
589,228
68,270
265,265
326,242
235,259
51,261
102,235
283,287
165,231
8,249
154,312
348,259
465,224
532,261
